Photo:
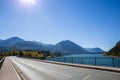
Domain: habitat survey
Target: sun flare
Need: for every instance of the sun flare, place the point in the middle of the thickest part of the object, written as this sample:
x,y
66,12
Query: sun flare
x,y
29,2
29,5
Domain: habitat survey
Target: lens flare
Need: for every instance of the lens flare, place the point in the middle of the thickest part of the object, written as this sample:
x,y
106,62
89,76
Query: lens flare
x,y
29,2
28,5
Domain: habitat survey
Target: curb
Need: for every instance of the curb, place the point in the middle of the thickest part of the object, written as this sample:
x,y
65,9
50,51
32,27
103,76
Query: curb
x,y
85,66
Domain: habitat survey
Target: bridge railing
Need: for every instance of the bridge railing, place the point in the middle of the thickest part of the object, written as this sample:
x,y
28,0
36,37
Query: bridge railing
x,y
1,61
97,61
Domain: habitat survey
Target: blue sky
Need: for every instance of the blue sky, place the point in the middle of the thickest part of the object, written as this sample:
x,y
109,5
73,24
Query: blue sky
x,y
89,23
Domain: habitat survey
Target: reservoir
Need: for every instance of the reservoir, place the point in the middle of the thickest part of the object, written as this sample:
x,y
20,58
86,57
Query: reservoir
x,y
89,59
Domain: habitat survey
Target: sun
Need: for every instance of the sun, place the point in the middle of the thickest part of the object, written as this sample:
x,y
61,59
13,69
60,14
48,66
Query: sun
x,y
29,5
29,2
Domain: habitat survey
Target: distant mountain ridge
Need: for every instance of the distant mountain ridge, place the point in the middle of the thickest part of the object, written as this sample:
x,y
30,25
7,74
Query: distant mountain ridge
x,y
29,45
43,44
95,50
10,42
6,49
1,40
65,47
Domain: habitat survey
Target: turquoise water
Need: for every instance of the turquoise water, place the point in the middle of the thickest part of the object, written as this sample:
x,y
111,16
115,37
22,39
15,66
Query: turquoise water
x,y
89,59
85,55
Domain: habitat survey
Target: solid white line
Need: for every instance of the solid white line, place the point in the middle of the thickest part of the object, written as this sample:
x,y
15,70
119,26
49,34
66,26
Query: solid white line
x,y
63,74
15,71
85,78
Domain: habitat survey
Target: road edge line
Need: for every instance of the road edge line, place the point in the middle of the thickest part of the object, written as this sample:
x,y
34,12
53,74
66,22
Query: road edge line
x,y
19,73
16,72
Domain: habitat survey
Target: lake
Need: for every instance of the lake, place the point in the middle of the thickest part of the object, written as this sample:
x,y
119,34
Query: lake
x,y
85,55
89,59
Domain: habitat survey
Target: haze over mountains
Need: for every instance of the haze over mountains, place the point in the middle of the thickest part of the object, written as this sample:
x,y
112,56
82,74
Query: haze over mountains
x,y
94,50
1,40
10,42
66,47
29,45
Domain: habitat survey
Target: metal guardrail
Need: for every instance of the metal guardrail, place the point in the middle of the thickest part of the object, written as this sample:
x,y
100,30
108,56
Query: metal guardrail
x,y
1,61
97,61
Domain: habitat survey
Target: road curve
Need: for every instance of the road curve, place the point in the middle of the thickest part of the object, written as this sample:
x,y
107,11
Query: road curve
x,y
36,70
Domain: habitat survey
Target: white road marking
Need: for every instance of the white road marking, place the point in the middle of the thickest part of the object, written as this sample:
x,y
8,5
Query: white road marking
x,y
85,78
62,74
15,71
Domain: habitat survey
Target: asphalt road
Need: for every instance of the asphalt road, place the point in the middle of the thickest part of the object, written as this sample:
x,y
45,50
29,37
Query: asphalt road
x,y
36,70
7,71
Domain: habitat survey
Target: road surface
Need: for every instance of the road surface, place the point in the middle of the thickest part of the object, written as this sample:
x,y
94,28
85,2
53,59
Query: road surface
x,y
36,70
7,71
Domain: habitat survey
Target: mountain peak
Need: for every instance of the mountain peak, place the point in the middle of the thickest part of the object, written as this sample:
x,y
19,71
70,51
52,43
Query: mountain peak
x,y
66,42
68,47
11,41
15,38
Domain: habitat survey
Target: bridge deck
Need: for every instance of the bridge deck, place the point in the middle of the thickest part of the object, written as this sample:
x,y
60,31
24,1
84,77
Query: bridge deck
x,y
36,70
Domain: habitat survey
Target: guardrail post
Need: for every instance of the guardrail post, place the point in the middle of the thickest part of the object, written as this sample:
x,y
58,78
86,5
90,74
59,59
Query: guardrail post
x,y
53,58
82,59
95,61
71,59
113,62
64,59
57,59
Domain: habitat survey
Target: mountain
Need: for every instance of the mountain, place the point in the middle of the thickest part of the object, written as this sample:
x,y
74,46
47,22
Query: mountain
x,y
118,43
43,44
1,40
6,49
94,50
10,42
68,47
115,51
29,45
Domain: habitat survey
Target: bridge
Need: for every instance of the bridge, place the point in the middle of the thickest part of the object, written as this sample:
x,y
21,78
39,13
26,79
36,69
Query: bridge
x,y
16,68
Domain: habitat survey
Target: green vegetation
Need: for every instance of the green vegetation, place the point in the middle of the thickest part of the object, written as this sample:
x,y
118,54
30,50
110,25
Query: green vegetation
x,y
115,51
31,53
1,57
115,54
